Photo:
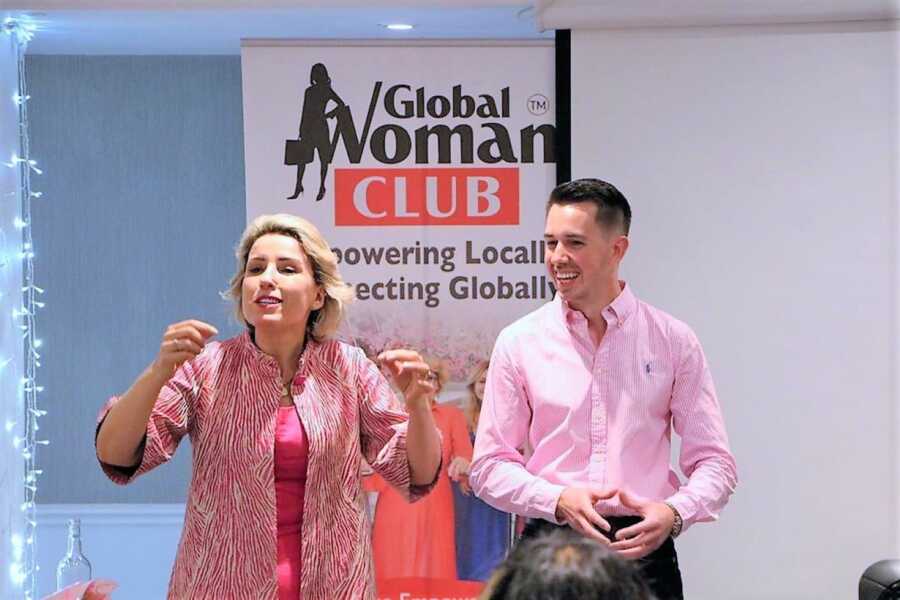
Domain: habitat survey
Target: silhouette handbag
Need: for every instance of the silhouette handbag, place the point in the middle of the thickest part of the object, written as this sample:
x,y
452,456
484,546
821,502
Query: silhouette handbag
x,y
297,152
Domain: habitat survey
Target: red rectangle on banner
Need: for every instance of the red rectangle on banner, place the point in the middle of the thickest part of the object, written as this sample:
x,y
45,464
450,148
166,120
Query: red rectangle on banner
x,y
429,196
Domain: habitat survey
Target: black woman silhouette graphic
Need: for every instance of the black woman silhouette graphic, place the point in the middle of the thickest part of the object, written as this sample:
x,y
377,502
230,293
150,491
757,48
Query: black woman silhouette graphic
x,y
314,132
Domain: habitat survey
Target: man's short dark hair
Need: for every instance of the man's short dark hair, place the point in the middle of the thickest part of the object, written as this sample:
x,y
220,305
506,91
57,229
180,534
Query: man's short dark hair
x,y
613,211
562,564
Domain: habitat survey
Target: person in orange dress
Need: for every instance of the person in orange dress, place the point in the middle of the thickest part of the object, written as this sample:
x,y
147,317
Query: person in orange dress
x,y
418,540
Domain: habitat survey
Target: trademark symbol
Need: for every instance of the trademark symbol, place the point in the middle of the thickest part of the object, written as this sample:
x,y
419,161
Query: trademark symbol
x,y
538,104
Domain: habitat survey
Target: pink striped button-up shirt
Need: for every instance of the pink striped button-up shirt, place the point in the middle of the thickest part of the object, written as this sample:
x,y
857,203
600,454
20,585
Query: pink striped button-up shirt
x,y
601,415
227,400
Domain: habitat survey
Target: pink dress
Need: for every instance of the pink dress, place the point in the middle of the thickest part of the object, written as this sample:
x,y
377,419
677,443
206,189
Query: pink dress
x,y
291,453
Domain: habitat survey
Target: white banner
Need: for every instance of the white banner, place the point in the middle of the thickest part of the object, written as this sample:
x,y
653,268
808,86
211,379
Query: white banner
x,y
427,168
438,166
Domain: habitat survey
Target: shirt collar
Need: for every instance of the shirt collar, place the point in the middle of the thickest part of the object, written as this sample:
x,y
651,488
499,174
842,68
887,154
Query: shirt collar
x,y
249,346
622,306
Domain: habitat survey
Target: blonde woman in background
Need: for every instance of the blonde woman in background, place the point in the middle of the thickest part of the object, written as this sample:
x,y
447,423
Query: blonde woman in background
x,y
279,418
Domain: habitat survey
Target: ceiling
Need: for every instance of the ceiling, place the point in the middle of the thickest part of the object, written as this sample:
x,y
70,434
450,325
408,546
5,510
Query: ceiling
x,y
217,26
219,31
616,14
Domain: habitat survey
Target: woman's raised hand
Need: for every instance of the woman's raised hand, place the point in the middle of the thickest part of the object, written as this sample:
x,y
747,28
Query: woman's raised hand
x,y
181,342
411,375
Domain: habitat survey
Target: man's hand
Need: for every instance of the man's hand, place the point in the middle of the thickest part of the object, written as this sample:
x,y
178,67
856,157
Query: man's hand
x,y
644,537
575,507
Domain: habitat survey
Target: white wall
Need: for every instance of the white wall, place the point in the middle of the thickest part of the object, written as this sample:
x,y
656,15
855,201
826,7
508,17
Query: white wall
x,y
761,163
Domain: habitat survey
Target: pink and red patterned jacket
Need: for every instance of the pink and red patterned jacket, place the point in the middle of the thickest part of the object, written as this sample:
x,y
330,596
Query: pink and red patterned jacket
x,y
227,399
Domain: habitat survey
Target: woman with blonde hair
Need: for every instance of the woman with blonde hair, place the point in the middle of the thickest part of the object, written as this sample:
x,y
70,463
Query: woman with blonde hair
x,y
475,388
279,418
418,540
482,531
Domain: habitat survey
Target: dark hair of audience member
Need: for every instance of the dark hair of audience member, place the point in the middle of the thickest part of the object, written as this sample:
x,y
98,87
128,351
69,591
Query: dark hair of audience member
x,y
564,565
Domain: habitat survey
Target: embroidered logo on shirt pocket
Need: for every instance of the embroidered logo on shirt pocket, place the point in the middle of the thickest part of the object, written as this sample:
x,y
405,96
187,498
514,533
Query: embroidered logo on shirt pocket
x,y
655,369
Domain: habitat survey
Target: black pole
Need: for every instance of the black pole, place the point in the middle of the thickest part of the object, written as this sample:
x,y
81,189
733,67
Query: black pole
x,y
563,138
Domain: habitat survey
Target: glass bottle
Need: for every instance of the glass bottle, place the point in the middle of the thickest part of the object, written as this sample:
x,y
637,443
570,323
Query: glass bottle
x,y
74,566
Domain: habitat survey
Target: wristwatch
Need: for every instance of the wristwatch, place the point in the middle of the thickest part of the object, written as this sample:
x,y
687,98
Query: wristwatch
x,y
677,524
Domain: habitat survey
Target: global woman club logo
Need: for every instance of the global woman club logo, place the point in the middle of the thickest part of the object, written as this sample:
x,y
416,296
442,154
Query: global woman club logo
x,y
427,194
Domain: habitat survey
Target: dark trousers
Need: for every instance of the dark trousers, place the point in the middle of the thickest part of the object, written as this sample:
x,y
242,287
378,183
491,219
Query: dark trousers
x,y
659,568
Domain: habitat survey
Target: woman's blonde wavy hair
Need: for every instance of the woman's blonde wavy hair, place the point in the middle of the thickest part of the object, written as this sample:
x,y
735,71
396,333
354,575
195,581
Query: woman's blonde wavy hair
x,y
322,323
473,406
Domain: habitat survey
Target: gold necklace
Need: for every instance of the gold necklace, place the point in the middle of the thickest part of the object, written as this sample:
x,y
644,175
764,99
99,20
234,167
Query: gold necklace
x,y
286,387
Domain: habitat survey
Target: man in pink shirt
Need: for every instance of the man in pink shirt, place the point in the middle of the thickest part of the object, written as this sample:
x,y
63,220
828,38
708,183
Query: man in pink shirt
x,y
593,383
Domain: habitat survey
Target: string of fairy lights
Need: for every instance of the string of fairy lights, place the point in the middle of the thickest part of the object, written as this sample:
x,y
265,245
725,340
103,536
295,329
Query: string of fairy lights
x,y
23,565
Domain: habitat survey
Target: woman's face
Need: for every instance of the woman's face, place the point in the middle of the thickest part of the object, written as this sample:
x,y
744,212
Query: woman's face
x,y
479,385
435,380
279,289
